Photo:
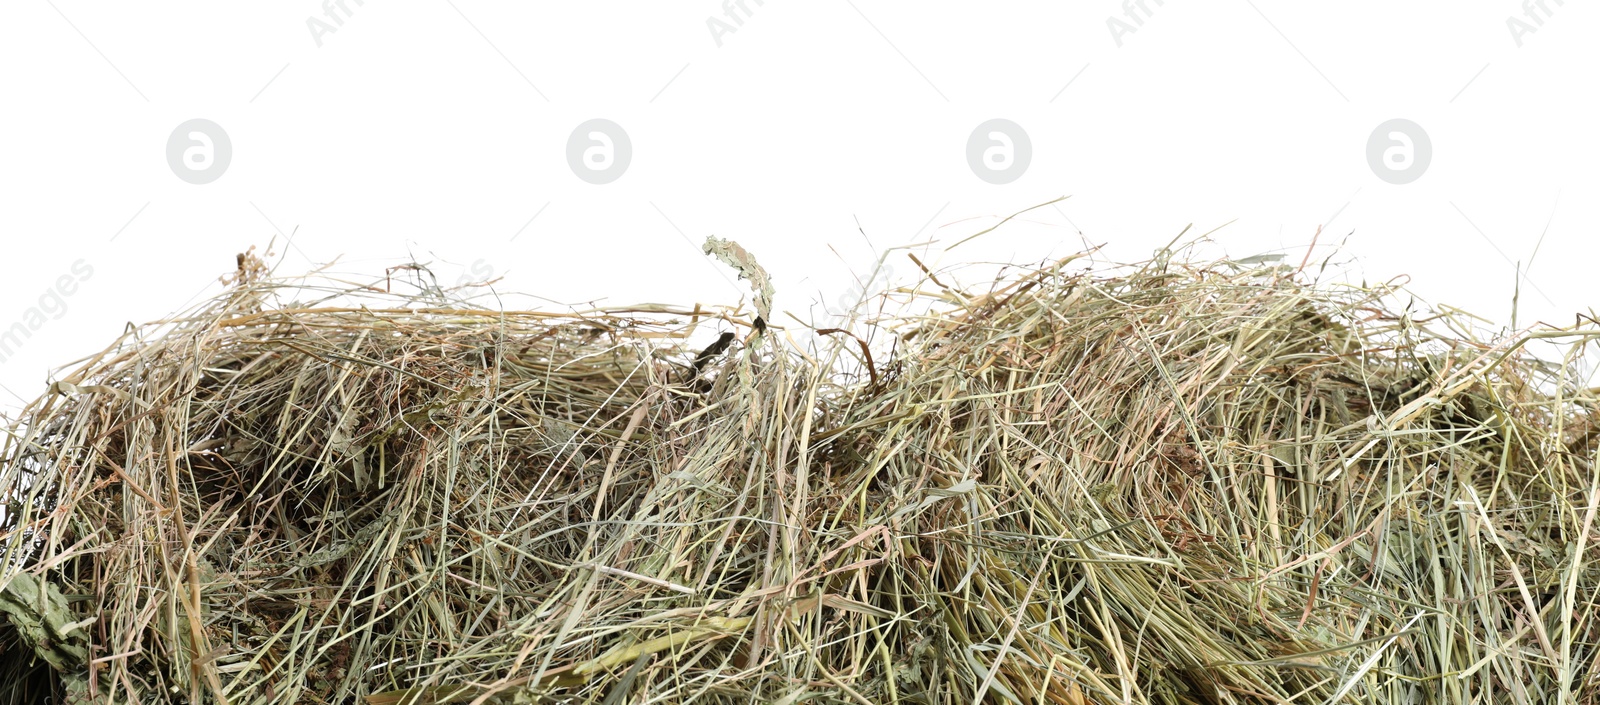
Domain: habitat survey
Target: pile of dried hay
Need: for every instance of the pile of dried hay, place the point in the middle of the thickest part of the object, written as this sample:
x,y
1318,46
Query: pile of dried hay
x,y
1161,484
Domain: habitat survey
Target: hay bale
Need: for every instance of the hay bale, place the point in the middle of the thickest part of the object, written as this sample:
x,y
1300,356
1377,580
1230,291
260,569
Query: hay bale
x,y
1163,484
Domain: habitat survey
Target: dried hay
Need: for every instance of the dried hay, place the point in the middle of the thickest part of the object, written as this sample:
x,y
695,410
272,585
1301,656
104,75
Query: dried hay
x,y
1168,483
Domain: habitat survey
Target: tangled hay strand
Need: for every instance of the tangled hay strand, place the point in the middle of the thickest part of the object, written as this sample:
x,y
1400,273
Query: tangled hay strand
x,y
1164,484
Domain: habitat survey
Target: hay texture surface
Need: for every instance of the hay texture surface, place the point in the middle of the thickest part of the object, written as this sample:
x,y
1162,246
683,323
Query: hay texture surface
x,y
1167,483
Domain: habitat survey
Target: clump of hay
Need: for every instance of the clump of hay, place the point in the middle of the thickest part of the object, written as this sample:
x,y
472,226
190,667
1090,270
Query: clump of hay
x,y
1169,483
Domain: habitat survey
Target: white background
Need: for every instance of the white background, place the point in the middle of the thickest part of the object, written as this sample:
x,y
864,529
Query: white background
x,y
436,130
